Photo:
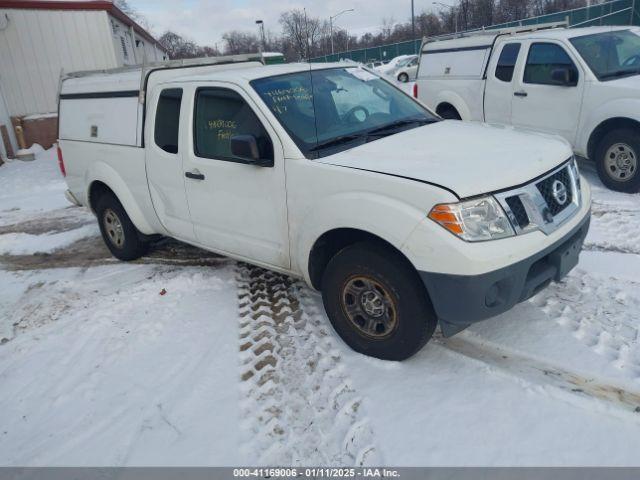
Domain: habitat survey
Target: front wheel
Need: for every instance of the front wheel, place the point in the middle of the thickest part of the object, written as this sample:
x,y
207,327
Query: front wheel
x,y
118,232
403,77
618,159
377,303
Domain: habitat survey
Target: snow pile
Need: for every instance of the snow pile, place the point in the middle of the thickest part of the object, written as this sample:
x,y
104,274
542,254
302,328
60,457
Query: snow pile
x,y
36,186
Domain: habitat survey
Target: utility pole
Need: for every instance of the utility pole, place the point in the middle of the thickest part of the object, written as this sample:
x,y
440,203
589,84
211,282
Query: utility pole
x,y
413,21
331,25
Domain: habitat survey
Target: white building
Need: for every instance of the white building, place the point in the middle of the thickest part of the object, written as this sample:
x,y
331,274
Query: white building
x,y
41,38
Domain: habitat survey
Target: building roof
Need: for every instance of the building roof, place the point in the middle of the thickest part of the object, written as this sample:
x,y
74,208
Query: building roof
x,y
103,5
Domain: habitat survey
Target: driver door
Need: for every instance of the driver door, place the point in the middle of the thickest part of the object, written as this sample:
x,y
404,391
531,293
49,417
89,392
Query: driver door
x,y
236,208
539,101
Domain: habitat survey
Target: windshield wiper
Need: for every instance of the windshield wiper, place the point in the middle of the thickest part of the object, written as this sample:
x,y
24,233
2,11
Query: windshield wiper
x,y
399,124
621,73
338,141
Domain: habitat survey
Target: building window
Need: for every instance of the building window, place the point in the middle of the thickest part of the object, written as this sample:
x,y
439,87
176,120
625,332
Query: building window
x,y
123,43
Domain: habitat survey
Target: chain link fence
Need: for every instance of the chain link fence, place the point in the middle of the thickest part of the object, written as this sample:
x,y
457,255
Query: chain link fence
x,y
615,12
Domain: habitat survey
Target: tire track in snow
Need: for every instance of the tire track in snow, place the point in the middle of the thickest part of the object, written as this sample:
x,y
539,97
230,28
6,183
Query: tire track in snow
x,y
299,404
557,381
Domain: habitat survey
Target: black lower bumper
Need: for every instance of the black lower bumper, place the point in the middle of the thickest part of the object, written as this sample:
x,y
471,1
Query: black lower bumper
x,y
460,300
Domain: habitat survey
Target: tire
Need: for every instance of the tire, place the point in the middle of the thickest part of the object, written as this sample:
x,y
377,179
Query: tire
x,y
617,158
403,299
449,113
403,77
124,242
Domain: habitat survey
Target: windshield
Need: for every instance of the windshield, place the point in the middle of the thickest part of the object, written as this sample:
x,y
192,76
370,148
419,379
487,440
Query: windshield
x,y
327,111
610,55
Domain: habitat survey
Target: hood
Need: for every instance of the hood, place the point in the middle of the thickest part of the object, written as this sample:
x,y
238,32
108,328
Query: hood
x,y
632,82
466,158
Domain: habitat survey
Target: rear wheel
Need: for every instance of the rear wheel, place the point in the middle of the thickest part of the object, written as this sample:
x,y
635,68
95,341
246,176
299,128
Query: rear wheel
x,y
618,160
118,232
403,77
377,303
449,113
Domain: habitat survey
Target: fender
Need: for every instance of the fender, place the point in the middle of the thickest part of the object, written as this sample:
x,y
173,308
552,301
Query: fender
x,y
134,198
378,214
628,107
455,99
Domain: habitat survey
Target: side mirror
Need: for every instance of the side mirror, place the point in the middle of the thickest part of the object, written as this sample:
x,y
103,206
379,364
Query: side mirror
x,y
245,147
562,76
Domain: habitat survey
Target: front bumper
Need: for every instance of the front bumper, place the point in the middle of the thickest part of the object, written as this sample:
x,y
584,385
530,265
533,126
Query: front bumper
x,y
460,300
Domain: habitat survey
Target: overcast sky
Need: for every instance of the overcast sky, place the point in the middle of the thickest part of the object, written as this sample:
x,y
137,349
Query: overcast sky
x,y
206,20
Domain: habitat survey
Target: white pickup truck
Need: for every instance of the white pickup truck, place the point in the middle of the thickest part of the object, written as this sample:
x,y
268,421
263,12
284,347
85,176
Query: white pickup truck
x,y
582,84
331,174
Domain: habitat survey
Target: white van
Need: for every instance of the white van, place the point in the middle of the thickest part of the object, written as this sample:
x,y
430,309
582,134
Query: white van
x,y
582,84
331,174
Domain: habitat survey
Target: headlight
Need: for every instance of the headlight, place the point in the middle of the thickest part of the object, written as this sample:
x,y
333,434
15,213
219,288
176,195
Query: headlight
x,y
473,220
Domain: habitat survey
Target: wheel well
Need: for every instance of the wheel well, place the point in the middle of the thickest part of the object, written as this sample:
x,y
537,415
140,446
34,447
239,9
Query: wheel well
x,y
446,106
605,127
331,242
97,190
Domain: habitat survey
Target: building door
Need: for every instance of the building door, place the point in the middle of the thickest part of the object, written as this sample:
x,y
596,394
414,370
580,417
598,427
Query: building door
x,y
8,143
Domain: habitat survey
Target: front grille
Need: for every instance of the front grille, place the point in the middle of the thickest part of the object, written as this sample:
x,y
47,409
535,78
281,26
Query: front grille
x,y
543,204
518,210
546,189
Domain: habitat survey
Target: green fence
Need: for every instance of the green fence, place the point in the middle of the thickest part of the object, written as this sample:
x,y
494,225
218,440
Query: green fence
x,y
616,12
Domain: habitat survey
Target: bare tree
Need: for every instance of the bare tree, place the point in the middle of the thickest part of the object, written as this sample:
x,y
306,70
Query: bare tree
x,y
302,34
177,46
237,42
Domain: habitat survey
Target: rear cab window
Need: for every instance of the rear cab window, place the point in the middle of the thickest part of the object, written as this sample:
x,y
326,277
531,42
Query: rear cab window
x,y
507,62
167,122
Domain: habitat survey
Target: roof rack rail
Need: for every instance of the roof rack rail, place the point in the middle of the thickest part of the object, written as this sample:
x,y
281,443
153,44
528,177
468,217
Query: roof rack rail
x,y
186,62
497,31
146,68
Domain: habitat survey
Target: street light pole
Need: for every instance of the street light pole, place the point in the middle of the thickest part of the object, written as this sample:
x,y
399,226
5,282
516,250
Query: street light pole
x,y
262,42
453,11
331,25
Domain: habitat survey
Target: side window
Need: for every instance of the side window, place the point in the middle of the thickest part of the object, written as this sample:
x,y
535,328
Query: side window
x,y
221,114
168,119
507,61
543,59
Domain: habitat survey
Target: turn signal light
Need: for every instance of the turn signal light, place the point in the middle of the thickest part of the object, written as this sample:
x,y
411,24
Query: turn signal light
x,y
445,216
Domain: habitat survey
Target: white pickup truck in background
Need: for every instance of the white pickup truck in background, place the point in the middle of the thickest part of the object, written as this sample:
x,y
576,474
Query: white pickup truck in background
x,y
332,174
582,84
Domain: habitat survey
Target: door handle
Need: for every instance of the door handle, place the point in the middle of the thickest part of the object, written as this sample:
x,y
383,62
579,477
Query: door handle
x,y
195,175
520,93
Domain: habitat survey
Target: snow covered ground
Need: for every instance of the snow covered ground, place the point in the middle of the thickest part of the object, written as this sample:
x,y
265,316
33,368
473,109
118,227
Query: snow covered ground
x,y
186,358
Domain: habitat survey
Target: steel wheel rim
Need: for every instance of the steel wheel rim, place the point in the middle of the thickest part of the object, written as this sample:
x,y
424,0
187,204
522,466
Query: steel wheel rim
x,y
113,228
369,307
621,162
